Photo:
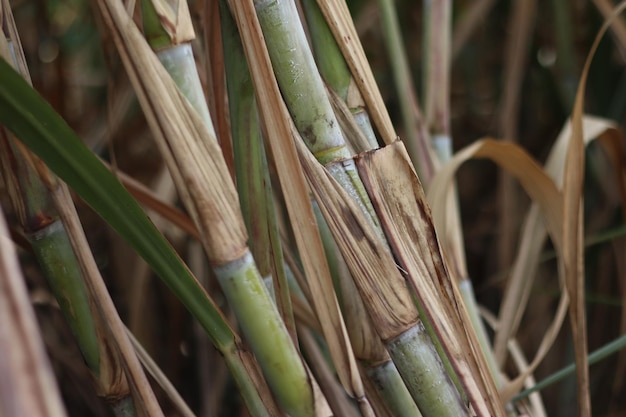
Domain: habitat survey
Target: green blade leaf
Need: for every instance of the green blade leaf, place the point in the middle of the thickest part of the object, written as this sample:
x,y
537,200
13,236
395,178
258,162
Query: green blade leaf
x,y
47,135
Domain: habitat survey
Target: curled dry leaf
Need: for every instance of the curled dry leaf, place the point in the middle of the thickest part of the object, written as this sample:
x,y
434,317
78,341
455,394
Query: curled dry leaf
x,y
541,189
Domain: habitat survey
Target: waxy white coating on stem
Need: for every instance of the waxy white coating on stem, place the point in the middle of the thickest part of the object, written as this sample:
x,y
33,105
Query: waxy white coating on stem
x,y
423,373
300,82
266,333
181,65
391,387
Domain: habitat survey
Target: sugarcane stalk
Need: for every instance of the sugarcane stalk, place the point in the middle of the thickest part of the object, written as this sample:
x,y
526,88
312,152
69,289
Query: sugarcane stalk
x,y
438,396
334,69
169,33
93,181
265,332
437,79
367,346
415,128
305,95
29,386
29,183
392,389
43,228
224,238
252,173
310,109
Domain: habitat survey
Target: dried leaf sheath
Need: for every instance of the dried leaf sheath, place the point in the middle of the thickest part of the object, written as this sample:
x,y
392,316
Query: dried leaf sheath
x,y
197,165
405,215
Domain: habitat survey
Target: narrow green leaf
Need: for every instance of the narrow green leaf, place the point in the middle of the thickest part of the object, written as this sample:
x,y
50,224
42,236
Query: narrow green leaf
x,y
46,134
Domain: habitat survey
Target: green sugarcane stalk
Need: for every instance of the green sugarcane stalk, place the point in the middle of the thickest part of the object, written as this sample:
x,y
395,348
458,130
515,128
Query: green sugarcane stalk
x,y
392,389
180,63
253,179
305,95
334,69
45,232
299,80
177,57
240,279
371,353
438,28
433,390
266,333
83,171
24,175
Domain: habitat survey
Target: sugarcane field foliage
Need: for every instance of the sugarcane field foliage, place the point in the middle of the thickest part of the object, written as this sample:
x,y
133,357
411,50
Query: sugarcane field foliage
x,y
312,208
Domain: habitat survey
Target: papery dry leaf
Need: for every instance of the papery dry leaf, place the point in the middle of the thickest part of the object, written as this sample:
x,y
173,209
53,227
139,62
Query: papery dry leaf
x,y
541,189
193,156
533,235
388,300
573,256
405,216
175,20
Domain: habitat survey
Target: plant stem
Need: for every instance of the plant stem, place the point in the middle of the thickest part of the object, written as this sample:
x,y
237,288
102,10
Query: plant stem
x,y
391,387
428,381
253,178
179,62
334,69
266,333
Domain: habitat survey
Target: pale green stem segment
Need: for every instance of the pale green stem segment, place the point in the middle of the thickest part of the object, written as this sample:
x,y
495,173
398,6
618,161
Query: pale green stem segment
x,y
58,261
333,66
391,387
346,174
362,119
267,335
330,61
179,62
424,374
299,80
52,247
